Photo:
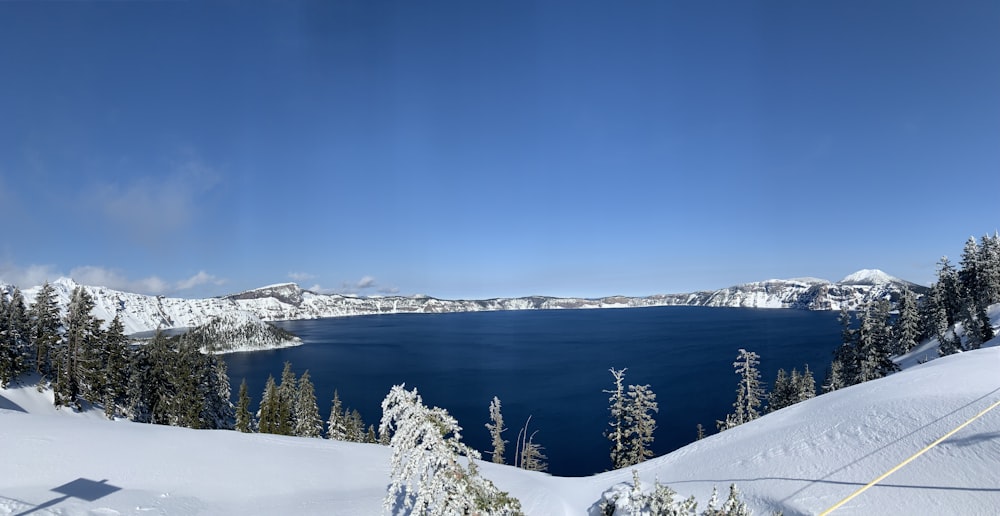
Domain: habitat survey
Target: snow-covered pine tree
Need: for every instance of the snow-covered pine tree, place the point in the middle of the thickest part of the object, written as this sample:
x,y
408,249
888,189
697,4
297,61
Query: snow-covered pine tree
x,y
427,476
950,290
874,343
640,423
806,387
617,431
45,329
906,329
749,392
355,426
496,428
529,453
336,427
268,416
847,354
307,420
286,401
244,420
8,352
989,260
834,377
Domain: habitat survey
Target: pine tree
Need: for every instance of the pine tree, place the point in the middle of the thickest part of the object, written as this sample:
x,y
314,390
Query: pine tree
x,y
834,377
873,343
244,420
336,426
701,432
307,420
268,416
950,290
617,433
286,401
806,387
427,475
45,326
355,426
781,394
906,329
116,374
78,370
989,261
529,453
640,423
496,429
749,393
847,355
8,351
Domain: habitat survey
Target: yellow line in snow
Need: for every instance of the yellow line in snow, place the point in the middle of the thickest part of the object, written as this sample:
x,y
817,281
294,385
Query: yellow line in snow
x,y
910,459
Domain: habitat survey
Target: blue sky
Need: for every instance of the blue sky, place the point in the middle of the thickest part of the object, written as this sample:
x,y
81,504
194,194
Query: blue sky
x,y
479,149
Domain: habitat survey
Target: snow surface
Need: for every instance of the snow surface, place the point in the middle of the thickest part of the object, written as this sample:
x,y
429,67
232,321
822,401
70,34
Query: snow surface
x,y
799,460
869,277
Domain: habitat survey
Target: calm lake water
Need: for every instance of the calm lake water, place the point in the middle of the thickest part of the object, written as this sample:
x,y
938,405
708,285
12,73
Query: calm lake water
x,y
551,365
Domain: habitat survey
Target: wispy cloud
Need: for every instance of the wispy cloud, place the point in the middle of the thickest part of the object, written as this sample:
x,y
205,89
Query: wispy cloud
x,y
147,208
301,276
363,286
33,275
202,278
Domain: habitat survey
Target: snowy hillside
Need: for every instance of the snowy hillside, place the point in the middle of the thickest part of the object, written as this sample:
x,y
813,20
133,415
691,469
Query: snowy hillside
x,y
800,460
288,301
240,331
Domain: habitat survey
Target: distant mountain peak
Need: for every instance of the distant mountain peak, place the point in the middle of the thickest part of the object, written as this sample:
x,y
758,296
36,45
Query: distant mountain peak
x,y
870,277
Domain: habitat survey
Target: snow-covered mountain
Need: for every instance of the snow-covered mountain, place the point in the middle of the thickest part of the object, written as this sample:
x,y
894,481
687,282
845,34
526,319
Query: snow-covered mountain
x,y
801,459
288,301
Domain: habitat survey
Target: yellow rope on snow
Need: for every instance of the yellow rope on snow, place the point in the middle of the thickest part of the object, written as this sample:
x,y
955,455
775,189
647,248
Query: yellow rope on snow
x,y
910,459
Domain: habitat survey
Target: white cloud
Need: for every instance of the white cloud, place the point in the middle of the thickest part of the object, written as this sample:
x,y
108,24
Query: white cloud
x,y
202,278
366,282
26,277
301,276
33,275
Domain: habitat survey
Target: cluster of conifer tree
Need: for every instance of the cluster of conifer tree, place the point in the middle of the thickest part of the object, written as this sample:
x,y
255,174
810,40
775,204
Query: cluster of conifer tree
x,y
167,381
954,311
289,407
753,400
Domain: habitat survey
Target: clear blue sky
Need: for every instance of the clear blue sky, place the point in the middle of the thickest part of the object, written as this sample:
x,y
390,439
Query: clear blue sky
x,y
478,149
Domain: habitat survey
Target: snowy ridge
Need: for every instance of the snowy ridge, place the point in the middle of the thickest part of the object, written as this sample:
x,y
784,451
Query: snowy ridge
x,y
288,301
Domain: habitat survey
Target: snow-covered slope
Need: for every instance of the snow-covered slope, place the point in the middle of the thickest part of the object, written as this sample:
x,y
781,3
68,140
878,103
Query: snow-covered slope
x,y
800,460
287,301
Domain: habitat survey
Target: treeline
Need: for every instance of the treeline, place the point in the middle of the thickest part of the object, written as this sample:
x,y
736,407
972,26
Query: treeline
x,y
289,407
167,381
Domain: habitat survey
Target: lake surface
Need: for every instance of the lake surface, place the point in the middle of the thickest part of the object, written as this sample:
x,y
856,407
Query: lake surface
x,y
551,365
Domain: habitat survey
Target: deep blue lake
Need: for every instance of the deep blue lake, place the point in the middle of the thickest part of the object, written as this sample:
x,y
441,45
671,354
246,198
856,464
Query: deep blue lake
x,y
552,365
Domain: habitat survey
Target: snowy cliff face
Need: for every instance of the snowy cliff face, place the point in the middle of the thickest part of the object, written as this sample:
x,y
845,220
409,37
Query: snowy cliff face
x,y
288,301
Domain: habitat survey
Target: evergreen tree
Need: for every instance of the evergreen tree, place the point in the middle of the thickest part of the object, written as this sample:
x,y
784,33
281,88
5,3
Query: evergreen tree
x,y
834,377
617,434
781,394
116,374
307,420
496,428
370,438
701,432
529,453
45,326
749,393
428,476
355,426
79,371
244,420
989,261
873,343
950,290
906,329
806,387
640,423
268,416
286,401
847,355
336,426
